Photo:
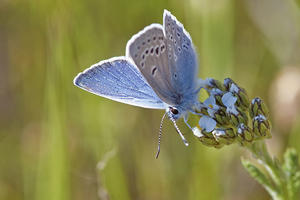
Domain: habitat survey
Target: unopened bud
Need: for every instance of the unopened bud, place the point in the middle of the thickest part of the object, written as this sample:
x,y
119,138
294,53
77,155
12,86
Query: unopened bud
x,y
206,138
213,83
261,126
258,107
227,83
221,117
244,134
238,117
224,136
243,100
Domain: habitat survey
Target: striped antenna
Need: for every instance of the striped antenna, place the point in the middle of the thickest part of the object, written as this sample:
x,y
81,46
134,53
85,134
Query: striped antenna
x,y
178,131
159,135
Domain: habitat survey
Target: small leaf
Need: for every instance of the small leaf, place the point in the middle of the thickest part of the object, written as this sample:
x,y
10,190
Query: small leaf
x,y
257,174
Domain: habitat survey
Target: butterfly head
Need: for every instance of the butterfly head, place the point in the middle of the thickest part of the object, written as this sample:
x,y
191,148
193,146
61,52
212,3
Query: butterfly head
x,y
174,112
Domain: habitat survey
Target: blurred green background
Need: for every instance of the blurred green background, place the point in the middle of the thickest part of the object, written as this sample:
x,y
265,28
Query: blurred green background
x,y
58,142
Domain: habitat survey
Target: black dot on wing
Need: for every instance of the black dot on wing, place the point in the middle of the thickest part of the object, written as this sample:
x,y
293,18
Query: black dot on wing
x,y
154,69
162,48
157,50
151,50
185,47
154,38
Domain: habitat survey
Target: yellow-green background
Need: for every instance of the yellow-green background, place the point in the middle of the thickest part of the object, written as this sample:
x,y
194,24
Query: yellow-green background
x,y
53,135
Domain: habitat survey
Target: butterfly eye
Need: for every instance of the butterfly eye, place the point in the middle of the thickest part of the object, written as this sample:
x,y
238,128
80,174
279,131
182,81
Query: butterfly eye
x,y
174,111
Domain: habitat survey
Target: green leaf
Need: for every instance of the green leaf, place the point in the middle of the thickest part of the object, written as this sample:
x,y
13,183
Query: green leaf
x,y
260,177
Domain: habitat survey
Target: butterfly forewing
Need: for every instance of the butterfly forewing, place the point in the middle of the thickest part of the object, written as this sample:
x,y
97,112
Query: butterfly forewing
x,y
119,80
148,50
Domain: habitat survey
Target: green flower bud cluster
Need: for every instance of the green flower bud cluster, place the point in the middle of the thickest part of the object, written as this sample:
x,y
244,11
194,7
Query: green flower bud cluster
x,y
229,116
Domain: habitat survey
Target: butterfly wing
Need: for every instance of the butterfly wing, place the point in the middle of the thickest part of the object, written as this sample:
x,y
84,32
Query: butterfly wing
x,y
182,59
119,80
148,51
166,58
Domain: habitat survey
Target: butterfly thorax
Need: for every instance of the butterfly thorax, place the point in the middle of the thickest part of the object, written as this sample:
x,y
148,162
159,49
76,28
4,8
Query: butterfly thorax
x,y
187,104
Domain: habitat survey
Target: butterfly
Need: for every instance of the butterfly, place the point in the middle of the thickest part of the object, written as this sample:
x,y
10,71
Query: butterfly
x,y
159,71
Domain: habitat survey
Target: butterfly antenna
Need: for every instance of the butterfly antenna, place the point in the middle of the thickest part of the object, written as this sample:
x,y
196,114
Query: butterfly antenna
x,y
159,135
179,132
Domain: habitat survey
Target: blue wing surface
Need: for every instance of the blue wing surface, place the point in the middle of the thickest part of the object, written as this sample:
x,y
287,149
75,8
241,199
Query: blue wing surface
x,y
119,80
183,62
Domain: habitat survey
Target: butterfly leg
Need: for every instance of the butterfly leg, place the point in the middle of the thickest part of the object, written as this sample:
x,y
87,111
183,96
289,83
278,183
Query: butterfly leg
x,y
185,119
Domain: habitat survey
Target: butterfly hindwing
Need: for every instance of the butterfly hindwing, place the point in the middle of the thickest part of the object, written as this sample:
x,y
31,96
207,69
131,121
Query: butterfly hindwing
x,y
182,55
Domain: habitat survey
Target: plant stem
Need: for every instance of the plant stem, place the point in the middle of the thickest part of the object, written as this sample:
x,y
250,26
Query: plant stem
x,y
260,152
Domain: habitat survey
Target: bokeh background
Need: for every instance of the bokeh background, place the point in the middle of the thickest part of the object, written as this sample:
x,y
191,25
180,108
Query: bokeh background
x,y
58,142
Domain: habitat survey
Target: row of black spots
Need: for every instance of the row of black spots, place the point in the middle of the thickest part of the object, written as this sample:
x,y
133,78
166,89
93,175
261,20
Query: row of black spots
x,y
168,21
169,35
138,45
145,54
187,41
185,47
173,26
153,37
178,32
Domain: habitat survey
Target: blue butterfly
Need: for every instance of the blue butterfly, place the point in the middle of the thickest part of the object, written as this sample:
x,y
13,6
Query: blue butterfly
x,y
159,71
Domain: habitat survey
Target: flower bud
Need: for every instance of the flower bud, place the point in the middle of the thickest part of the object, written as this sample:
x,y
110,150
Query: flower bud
x,y
243,100
227,83
206,138
221,117
258,107
217,94
237,117
244,134
224,136
261,126
213,83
